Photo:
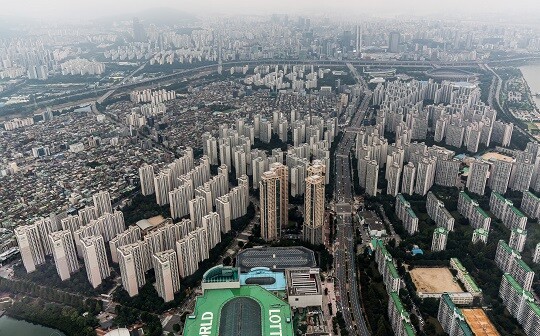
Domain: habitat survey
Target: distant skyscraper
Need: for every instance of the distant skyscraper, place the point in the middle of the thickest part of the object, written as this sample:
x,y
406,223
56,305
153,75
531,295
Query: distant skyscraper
x,y
139,34
95,259
314,210
64,253
393,42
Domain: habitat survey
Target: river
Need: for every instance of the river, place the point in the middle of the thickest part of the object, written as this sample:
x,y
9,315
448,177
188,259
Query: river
x,y
12,327
531,73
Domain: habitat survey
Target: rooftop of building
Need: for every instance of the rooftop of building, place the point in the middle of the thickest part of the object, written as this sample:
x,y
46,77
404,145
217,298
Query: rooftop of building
x,y
482,212
517,211
221,273
264,277
441,230
248,310
481,231
275,258
303,281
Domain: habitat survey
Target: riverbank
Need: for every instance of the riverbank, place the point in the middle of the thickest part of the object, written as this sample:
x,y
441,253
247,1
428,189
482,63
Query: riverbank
x,y
13,326
529,93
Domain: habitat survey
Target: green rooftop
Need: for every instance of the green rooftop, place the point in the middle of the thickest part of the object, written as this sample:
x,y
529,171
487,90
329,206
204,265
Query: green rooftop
x,y
393,270
472,283
513,282
408,328
482,212
466,196
233,312
411,213
532,195
397,302
523,265
534,307
441,230
481,231
466,330
517,212
458,264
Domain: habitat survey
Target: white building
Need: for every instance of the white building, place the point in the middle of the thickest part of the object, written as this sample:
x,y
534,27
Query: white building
x,y
167,274
64,253
30,246
95,259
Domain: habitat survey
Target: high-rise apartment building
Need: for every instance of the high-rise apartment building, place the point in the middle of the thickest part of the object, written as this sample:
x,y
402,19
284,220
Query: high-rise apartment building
x,y
30,246
440,237
132,259
451,318
163,186
167,274
405,213
146,176
314,210
517,239
409,178
64,253
102,202
273,189
95,259
500,176
197,210
372,177
425,175
476,181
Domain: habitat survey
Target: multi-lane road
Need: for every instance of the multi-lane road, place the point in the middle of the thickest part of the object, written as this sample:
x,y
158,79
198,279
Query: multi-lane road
x,y
348,285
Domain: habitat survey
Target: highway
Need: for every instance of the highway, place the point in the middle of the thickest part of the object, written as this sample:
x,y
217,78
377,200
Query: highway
x,y
348,285
101,94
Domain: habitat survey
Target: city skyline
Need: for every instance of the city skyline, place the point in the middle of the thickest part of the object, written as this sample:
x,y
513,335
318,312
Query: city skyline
x,y
67,9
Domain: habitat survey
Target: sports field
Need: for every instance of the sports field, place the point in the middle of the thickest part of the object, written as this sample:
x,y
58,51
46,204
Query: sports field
x,y
434,280
491,156
479,322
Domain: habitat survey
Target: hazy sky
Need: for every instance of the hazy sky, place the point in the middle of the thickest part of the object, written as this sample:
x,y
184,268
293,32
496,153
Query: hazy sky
x,y
52,9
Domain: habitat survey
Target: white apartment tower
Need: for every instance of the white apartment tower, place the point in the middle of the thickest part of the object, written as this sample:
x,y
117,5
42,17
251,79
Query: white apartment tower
x,y
64,253
30,247
167,274
476,181
440,237
146,176
500,176
95,259
131,259
314,210
102,202
408,181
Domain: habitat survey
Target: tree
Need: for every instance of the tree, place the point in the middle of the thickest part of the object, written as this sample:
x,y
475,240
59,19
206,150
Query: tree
x,y
176,327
